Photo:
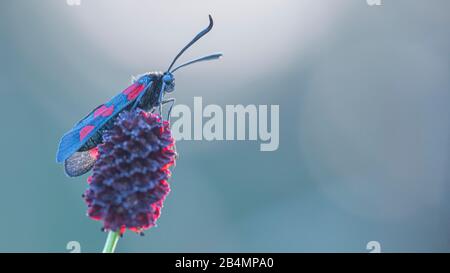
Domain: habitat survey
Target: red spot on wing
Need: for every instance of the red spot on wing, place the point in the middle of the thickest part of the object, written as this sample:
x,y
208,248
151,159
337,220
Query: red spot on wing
x,y
133,91
85,131
94,152
104,111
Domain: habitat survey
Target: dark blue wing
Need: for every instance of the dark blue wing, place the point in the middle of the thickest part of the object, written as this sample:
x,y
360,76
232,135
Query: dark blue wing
x,y
73,140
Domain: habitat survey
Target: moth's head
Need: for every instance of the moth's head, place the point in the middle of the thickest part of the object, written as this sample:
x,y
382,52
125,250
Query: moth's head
x,y
169,82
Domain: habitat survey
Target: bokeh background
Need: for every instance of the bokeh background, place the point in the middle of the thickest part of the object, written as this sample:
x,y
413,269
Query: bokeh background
x,y
364,122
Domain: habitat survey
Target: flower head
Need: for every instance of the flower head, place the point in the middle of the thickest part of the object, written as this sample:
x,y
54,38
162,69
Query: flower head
x,y
129,180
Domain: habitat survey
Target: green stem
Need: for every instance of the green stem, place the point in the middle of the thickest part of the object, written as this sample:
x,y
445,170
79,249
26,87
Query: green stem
x,y
111,242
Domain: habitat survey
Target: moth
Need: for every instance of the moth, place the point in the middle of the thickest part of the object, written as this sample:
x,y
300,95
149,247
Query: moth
x,y
78,147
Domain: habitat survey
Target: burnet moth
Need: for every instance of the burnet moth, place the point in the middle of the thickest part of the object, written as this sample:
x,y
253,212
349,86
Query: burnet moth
x,y
78,147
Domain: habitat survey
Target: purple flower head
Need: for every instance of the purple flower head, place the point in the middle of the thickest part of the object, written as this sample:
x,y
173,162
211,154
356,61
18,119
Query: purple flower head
x,y
129,180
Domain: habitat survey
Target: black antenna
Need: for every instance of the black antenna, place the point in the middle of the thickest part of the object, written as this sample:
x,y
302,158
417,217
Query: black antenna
x,y
202,59
196,38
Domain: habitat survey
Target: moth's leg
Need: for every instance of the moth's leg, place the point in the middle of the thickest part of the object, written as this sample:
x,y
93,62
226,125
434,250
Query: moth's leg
x,y
172,100
160,99
160,110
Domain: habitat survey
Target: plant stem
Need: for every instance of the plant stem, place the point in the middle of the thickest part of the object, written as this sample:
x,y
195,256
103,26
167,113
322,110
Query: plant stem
x,y
111,242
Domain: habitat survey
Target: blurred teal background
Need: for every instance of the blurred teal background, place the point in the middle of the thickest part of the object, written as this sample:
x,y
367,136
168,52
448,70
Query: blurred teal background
x,y
364,122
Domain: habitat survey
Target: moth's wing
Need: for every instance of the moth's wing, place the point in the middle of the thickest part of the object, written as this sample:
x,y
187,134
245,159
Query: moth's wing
x,y
90,113
80,162
85,128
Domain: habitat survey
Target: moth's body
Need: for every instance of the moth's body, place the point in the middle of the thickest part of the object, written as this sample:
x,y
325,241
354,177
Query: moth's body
x,y
148,102
77,148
